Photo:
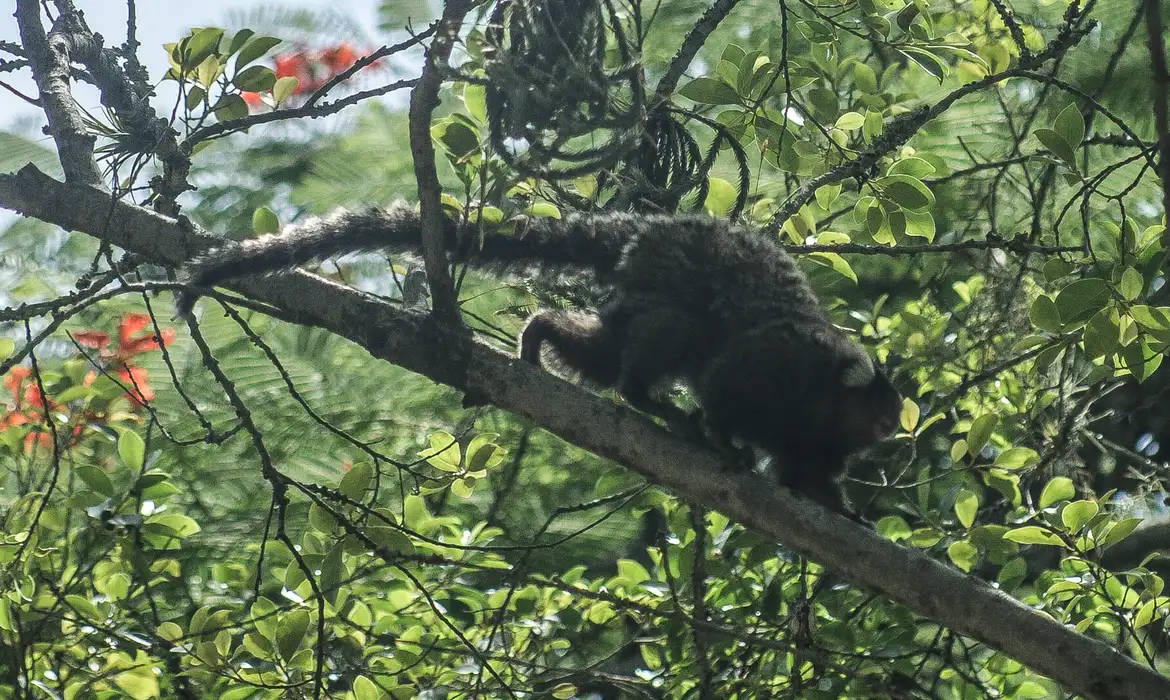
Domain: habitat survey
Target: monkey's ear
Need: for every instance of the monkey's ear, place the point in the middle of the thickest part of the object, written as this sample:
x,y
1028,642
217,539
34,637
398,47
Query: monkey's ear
x,y
859,373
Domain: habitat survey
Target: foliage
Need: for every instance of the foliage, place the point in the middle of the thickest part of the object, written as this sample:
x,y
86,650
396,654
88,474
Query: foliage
x,y
244,508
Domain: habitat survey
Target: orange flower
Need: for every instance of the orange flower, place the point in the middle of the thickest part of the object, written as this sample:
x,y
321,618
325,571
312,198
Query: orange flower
x,y
128,346
13,381
339,57
96,340
135,378
296,65
133,339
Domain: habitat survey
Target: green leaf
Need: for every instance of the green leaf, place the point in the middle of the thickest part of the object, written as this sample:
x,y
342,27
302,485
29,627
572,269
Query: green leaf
x,y
255,79
239,39
331,569
444,453
84,607
1059,488
864,78
139,682
1012,574
1070,126
457,138
357,480
906,191
264,220
290,632
875,218
873,125
1031,534
919,224
893,528
1060,148
1056,268
836,262
364,689
255,49
721,196
96,479
850,121
564,691
321,519
980,432
195,97
230,107
1119,531
709,91
543,210
1017,458
7,347
131,449
927,61
914,167
963,554
827,194
284,87
197,47
1131,285
475,99
966,505
1044,315
909,416
175,524
1077,513
816,31
1081,299
391,539
1102,335
170,631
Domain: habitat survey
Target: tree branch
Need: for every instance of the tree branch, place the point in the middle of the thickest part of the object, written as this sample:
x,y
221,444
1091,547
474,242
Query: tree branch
x,y
423,100
49,58
447,355
1161,80
690,46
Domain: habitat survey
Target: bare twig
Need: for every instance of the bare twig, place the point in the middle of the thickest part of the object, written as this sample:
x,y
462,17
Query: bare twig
x,y
690,46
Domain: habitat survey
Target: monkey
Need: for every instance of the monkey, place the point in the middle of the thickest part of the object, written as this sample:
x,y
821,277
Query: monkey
x,y
719,307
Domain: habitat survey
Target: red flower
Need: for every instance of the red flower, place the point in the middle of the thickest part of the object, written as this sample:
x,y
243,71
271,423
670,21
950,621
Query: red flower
x,y
133,339
135,378
92,339
129,346
14,379
339,57
30,407
296,65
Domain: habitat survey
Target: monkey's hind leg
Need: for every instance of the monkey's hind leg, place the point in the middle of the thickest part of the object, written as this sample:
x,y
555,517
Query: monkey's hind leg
x,y
660,345
589,345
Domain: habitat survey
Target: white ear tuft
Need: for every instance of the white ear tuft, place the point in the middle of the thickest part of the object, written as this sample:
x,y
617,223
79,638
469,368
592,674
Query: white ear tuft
x,y
858,373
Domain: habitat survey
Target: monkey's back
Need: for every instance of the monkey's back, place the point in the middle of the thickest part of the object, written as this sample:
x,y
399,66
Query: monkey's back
x,y
729,277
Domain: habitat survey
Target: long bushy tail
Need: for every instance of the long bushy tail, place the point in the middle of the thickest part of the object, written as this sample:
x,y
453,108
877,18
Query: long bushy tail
x,y
592,242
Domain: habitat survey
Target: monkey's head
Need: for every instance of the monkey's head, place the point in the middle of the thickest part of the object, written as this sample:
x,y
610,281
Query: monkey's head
x,y
869,405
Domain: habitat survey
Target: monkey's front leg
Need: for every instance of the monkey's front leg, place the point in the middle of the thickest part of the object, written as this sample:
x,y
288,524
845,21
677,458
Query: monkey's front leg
x,y
708,432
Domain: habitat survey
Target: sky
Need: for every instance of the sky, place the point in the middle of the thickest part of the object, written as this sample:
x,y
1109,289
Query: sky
x,y
159,22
